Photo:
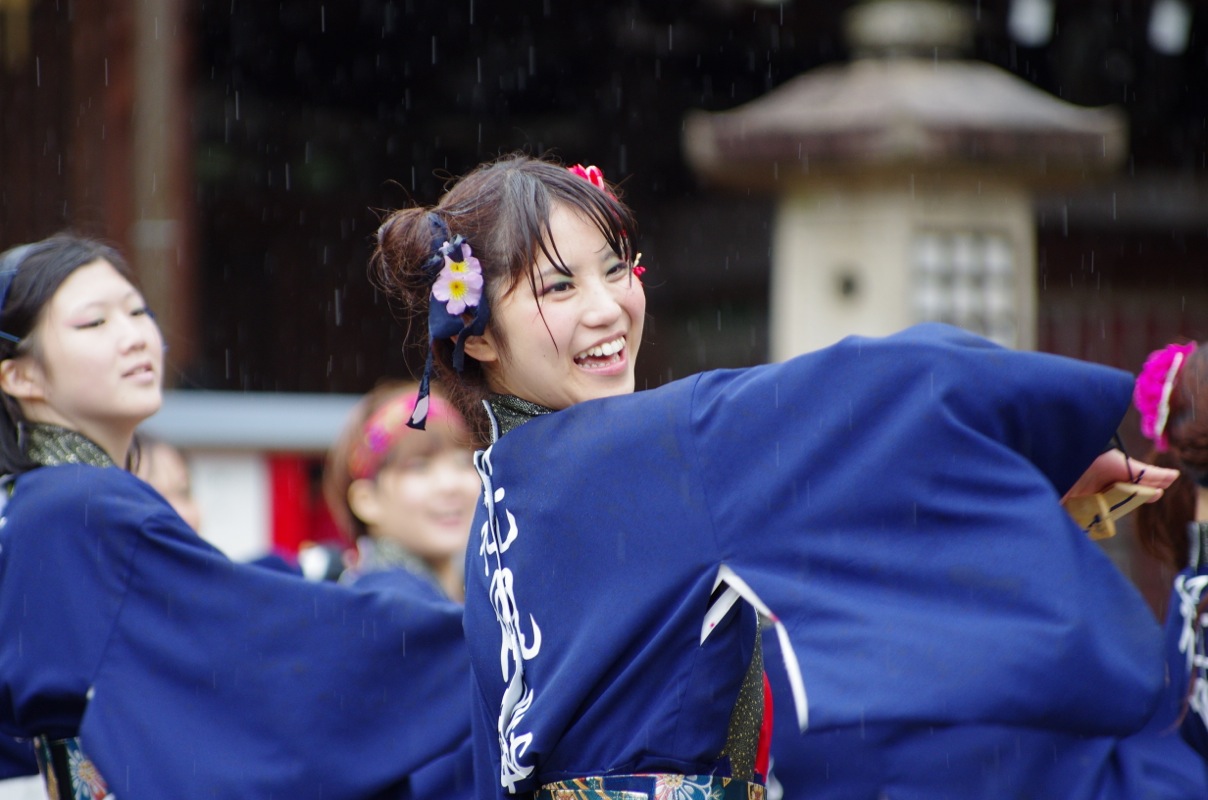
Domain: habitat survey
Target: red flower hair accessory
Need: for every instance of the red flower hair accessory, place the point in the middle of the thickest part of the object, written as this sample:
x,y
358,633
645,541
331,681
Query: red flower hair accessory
x,y
593,175
1151,394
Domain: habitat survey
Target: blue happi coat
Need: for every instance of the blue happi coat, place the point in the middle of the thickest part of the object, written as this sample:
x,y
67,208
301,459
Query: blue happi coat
x,y
187,675
894,503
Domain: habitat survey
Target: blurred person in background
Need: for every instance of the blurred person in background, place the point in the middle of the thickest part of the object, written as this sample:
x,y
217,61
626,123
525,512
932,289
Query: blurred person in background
x,y
405,497
166,470
1171,395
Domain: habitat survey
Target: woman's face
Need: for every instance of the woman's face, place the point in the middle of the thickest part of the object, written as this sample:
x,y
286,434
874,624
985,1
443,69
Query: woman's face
x,y
99,357
422,500
578,338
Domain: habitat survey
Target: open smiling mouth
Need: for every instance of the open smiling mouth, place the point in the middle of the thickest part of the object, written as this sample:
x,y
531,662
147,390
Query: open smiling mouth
x,y
602,355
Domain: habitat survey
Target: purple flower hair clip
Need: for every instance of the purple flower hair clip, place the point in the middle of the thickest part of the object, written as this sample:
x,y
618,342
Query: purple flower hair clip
x,y
459,284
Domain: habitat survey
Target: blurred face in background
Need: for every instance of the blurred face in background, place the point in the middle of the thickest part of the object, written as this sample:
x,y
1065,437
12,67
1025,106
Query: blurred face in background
x,y
423,496
164,468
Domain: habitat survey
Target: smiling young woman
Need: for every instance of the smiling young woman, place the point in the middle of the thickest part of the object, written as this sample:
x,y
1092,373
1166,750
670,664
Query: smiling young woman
x,y
139,659
891,505
577,337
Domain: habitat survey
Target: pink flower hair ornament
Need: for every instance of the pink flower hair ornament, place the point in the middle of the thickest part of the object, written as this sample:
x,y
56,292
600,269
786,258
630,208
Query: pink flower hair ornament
x,y
1155,383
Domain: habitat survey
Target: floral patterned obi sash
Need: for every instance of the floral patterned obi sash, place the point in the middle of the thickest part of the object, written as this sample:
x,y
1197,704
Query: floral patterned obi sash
x,y
68,772
655,786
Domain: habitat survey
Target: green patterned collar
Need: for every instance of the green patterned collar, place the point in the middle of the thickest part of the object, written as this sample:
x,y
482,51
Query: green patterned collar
x,y
509,412
50,446
378,555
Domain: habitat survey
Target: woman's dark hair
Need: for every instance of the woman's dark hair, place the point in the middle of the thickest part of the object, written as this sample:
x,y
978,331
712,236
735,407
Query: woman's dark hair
x,y
1161,527
503,210
37,270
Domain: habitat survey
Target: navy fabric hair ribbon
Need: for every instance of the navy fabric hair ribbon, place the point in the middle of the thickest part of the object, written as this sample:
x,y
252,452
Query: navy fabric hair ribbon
x,y
450,262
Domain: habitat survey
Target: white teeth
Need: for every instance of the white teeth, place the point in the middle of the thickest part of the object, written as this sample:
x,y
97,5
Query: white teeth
x,y
604,350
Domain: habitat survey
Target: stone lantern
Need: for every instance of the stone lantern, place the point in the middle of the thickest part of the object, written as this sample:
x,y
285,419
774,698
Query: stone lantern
x,y
904,180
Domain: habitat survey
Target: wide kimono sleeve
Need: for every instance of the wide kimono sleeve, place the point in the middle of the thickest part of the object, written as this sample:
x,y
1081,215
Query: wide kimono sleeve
x,y
896,503
190,675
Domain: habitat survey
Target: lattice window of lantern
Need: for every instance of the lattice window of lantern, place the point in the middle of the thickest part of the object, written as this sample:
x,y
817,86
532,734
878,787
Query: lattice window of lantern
x,y
967,279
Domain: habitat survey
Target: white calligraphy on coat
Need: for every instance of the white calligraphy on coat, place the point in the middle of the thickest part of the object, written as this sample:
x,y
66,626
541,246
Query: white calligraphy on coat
x,y
516,647
1191,640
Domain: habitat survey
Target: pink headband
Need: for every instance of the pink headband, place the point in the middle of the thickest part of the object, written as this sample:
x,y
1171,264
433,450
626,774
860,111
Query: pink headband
x,y
383,430
1151,395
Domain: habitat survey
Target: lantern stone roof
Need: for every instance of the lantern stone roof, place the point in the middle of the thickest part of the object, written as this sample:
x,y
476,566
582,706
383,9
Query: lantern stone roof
x,y
892,108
